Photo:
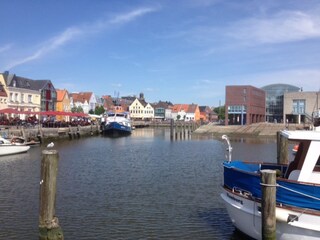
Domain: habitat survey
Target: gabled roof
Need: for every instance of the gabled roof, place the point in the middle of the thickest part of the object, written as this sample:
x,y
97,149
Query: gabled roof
x,y
61,94
81,97
187,108
142,101
160,104
192,108
20,82
107,102
180,107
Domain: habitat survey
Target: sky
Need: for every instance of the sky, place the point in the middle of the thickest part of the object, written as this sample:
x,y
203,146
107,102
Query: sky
x,y
183,51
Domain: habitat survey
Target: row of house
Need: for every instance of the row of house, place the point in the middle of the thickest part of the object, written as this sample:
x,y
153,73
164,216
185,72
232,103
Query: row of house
x,y
29,95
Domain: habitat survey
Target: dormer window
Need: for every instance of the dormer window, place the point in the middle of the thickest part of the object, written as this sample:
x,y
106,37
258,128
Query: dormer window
x,y
14,83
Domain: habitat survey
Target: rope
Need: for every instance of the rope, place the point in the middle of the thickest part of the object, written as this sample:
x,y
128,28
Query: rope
x,y
291,190
303,194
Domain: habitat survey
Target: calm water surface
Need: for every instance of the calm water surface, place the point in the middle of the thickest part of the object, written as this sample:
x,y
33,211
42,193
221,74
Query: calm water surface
x,y
139,187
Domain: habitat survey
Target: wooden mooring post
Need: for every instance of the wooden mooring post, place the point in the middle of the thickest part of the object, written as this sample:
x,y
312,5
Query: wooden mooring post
x,y
49,228
268,204
180,130
171,128
282,149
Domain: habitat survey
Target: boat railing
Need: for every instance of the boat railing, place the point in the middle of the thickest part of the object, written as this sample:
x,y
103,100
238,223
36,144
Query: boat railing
x,y
229,148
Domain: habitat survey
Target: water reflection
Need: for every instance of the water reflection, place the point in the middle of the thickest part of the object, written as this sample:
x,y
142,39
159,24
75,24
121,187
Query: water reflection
x,y
136,187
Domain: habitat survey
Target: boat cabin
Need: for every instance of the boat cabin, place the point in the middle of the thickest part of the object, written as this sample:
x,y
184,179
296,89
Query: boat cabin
x,y
306,165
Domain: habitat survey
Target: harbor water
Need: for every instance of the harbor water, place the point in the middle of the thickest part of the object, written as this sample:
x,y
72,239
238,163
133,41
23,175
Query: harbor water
x,y
143,186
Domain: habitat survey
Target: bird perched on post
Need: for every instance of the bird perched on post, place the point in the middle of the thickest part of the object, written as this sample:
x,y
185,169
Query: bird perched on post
x,y
50,145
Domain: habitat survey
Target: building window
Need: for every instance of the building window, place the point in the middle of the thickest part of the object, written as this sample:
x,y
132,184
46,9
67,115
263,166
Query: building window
x,y
298,106
237,109
29,98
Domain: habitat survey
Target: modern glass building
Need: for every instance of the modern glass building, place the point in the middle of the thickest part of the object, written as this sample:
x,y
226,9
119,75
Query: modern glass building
x,y
274,100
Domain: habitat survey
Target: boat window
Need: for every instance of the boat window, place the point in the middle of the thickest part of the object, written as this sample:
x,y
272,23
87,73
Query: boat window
x,y
317,167
318,162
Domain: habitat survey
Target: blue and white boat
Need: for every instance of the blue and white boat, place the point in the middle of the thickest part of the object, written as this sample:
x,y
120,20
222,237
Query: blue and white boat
x,y
297,191
116,124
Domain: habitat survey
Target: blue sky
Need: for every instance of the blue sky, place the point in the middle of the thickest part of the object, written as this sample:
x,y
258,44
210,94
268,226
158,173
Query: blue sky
x,y
183,51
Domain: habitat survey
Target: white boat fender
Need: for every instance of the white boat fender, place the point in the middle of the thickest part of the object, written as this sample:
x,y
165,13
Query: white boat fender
x,y
281,215
284,216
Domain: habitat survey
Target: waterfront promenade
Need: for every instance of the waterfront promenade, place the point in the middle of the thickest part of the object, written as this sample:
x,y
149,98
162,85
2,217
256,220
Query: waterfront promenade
x,y
212,129
254,130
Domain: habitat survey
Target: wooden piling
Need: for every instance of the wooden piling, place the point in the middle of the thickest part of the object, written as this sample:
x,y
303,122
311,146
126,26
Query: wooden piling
x,y
268,204
282,149
78,131
49,228
171,128
70,133
23,133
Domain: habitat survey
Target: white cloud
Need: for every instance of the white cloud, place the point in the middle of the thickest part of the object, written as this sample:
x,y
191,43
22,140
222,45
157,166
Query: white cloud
x,y
286,26
5,48
127,17
73,33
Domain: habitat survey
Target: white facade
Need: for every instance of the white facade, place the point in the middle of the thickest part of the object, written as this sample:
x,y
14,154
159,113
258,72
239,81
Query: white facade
x,y
190,116
92,103
140,111
3,96
168,114
148,112
84,105
181,115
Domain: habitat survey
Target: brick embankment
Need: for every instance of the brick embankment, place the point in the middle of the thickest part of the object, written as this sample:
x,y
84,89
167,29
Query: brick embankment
x,y
254,130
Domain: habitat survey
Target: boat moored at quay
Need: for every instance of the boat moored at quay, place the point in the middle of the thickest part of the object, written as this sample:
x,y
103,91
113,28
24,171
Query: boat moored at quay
x,y
116,124
297,191
9,148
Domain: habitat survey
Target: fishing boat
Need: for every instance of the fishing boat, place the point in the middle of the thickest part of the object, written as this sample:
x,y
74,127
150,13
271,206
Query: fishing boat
x,y
116,124
297,190
8,148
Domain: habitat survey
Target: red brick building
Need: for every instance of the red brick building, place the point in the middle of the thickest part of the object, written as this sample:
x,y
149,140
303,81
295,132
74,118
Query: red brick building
x,y
245,105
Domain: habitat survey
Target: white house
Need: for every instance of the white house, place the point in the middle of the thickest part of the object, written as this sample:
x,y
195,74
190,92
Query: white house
x,y
140,109
86,100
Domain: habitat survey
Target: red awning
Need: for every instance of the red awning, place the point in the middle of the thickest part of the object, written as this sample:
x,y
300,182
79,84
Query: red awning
x,y
9,110
47,113
58,113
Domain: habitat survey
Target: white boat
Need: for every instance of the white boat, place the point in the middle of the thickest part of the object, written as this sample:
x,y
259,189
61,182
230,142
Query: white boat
x,y
297,192
23,141
8,148
116,124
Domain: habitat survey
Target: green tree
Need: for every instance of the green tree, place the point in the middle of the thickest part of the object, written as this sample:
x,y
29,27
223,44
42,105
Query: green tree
x,y
220,111
78,109
99,110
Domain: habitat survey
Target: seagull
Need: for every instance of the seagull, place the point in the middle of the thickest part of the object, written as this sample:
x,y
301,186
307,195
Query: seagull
x,y
50,145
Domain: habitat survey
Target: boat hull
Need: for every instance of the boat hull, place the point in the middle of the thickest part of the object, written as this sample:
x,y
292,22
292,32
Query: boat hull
x,y
13,149
116,129
245,214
